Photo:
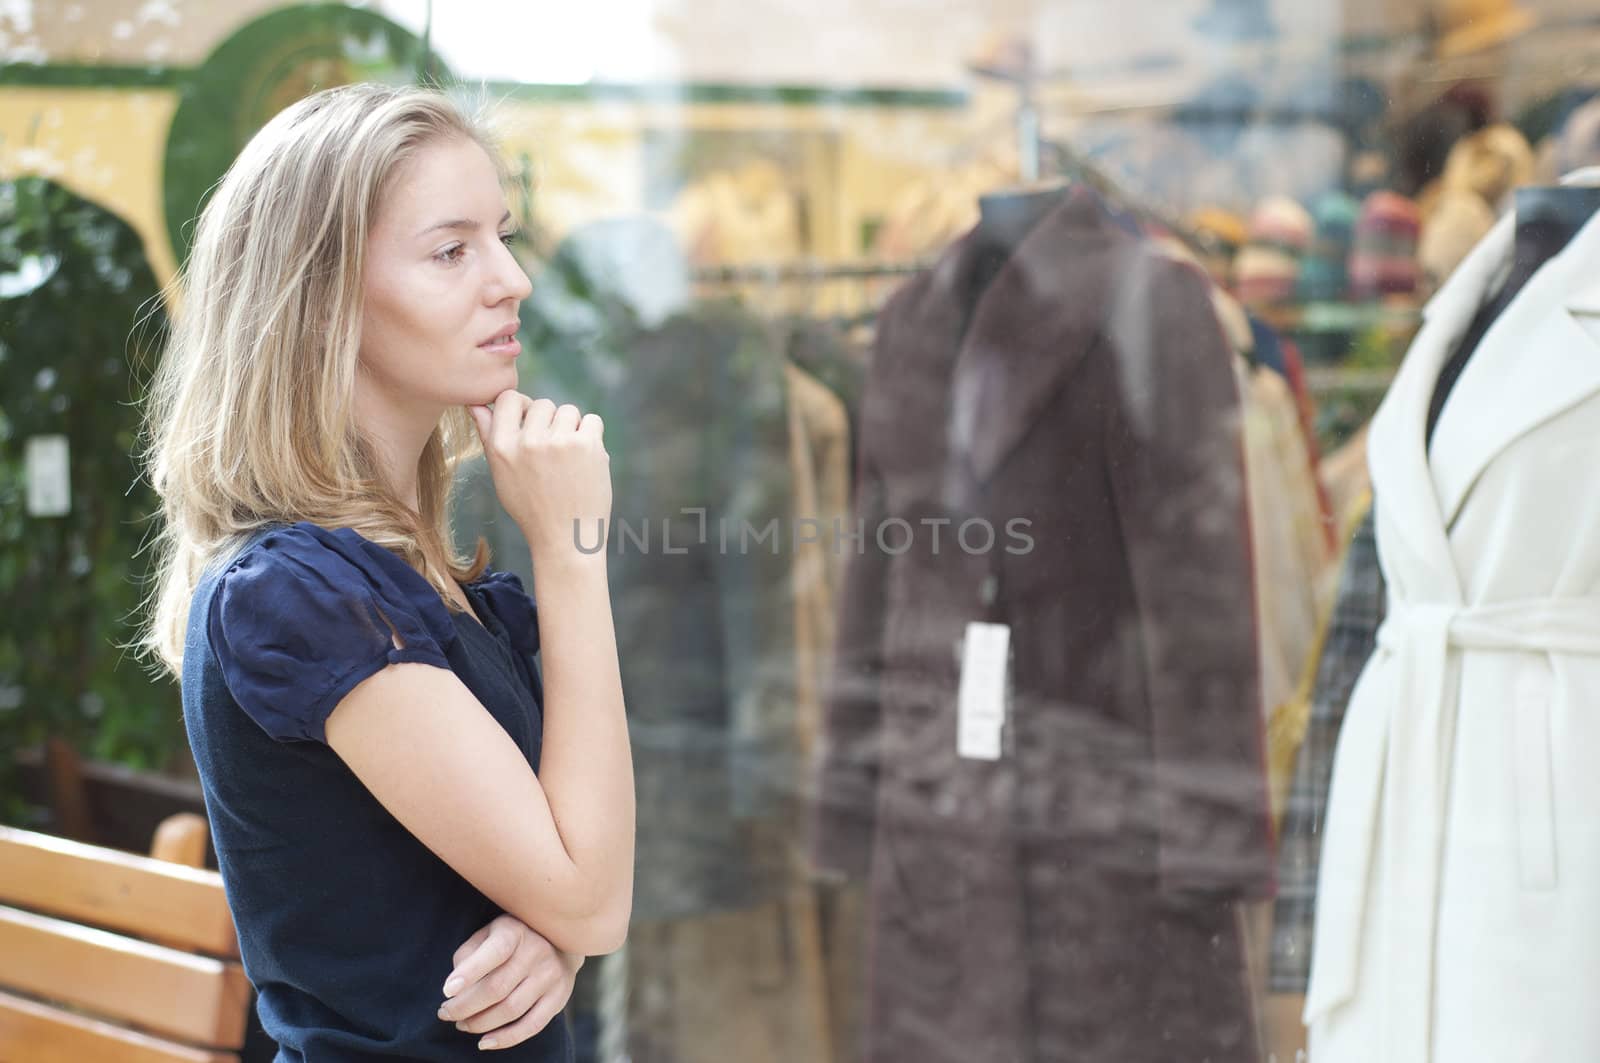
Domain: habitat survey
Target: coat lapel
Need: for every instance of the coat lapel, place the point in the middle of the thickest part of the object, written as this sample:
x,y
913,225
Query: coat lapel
x,y
1539,359
1031,325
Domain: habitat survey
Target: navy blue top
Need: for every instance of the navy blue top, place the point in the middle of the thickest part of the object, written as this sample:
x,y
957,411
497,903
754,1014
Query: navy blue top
x,y
347,923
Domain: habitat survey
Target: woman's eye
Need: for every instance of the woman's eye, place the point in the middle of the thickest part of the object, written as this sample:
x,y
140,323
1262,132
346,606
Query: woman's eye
x,y
450,254
509,238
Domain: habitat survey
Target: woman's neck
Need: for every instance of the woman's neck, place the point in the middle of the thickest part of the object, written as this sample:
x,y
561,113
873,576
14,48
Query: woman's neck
x,y
398,436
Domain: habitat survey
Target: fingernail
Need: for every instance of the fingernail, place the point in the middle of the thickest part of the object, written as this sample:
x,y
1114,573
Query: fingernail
x,y
444,1013
488,1042
452,987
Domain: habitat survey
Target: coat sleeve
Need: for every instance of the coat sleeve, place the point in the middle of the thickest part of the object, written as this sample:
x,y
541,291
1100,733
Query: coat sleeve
x,y
1177,473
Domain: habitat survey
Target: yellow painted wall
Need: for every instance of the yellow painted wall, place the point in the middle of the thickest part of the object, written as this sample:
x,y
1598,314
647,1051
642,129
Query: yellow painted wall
x,y
108,145
104,144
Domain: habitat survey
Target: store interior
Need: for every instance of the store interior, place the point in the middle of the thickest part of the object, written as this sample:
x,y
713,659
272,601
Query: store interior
x,y
721,206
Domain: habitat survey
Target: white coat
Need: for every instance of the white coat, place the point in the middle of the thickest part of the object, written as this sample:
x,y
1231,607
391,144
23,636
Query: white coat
x,y
1458,908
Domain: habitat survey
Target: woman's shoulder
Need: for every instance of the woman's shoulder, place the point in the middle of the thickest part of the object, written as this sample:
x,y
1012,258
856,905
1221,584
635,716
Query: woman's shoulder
x,y
304,568
302,613
286,543
303,549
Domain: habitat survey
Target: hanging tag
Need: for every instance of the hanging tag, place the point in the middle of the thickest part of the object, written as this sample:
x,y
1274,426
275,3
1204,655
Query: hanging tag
x,y
49,487
981,699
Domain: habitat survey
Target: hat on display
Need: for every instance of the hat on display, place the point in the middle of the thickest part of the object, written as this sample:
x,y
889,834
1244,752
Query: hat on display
x,y
1468,26
1221,226
1219,234
1325,270
1265,276
1280,222
1383,252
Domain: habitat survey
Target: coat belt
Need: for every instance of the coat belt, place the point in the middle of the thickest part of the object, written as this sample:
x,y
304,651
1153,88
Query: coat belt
x,y
1411,742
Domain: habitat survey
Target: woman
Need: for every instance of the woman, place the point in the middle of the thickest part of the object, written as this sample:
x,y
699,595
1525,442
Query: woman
x,y
363,704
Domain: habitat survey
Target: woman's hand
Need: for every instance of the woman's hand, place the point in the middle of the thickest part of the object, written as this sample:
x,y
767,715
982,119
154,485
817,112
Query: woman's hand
x,y
508,982
551,471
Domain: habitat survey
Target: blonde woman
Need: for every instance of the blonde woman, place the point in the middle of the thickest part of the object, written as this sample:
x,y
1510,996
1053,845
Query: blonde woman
x,y
420,835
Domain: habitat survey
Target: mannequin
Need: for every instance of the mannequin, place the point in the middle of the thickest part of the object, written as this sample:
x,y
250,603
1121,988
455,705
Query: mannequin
x,y
1005,218
1451,921
1547,220
1007,215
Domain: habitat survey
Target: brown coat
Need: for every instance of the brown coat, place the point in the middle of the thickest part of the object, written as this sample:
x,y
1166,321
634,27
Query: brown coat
x,y
1073,900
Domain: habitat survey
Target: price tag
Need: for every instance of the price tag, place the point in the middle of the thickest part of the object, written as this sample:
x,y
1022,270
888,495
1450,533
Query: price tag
x,y
981,699
49,486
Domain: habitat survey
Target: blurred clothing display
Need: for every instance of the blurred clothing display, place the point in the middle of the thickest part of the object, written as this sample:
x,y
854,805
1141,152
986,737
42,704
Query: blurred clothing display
x,y
1074,898
1429,938
1350,634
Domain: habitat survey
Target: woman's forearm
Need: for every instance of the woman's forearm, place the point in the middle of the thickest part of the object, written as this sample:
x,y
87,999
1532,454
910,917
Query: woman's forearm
x,y
586,764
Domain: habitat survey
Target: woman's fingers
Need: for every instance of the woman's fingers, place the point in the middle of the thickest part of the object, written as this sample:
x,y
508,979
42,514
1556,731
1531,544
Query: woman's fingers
x,y
536,1018
510,409
477,981
566,419
551,470
518,1002
469,946
540,413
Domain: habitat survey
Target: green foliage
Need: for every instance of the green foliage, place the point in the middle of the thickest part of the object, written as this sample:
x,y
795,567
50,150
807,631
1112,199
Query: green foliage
x,y
75,356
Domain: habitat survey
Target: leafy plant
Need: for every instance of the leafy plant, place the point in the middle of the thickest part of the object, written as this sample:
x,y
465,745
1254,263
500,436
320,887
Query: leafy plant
x,y
74,360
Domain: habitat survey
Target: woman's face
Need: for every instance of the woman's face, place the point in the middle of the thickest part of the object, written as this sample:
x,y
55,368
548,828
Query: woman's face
x,y
441,285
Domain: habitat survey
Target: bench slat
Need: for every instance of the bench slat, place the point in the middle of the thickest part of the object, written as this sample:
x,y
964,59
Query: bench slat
x,y
168,992
181,906
31,1032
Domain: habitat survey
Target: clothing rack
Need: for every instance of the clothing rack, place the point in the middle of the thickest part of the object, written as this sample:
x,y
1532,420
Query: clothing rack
x,y
805,271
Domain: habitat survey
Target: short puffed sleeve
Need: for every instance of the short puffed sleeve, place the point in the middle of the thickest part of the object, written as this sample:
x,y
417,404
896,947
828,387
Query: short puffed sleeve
x,y
305,614
513,606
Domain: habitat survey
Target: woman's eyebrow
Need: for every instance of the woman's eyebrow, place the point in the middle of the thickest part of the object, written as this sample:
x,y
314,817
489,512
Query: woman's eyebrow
x,y
465,224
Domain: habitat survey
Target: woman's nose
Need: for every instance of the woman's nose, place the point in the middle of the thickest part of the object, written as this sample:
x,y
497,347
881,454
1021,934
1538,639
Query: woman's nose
x,y
510,279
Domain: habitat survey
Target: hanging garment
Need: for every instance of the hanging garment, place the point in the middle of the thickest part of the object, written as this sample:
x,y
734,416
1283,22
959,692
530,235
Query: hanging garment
x,y
1455,905
1349,483
1350,637
1293,575
743,985
697,425
1074,900
820,444
819,447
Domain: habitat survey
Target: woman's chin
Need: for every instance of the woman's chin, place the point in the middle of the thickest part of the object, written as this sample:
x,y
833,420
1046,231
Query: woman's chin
x,y
495,383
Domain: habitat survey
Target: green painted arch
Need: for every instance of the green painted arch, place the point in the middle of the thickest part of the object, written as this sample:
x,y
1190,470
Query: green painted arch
x,y
263,67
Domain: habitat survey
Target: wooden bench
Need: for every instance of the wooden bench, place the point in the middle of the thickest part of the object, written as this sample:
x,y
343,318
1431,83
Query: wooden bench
x,y
108,957
103,803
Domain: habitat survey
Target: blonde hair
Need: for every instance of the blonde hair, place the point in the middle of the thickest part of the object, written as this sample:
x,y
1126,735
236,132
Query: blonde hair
x,y
248,419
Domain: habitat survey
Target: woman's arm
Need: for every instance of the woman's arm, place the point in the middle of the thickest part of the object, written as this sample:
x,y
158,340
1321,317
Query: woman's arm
x,y
433,756
555,850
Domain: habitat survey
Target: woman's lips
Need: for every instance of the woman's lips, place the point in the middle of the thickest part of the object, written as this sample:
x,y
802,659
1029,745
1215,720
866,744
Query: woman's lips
x,y
510,348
